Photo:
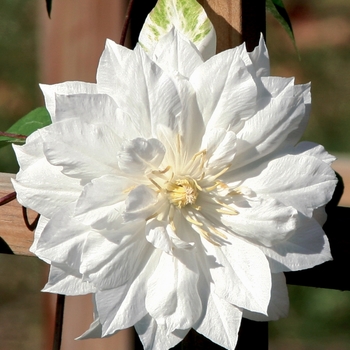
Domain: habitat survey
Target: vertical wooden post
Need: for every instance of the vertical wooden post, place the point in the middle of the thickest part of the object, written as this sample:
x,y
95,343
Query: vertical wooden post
x,y
71,43
236,21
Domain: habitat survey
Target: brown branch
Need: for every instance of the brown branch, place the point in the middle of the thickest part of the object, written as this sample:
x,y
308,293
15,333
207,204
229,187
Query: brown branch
x,y
8,198
14,136
126,23
30,226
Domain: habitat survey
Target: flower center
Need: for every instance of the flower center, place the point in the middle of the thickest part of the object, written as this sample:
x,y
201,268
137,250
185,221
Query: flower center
x,y
182,192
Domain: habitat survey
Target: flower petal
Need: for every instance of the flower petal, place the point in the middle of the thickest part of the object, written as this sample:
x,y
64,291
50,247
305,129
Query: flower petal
x,y
243,275
153,98
140,204
228,98
62,282
278,124
260,59
124,306
303,182
114,258
66,88
157,336
263,220
176,55
78,158
220,321
140,156
39,185
220,147
102,202
308,247
279,302
63,244
178,306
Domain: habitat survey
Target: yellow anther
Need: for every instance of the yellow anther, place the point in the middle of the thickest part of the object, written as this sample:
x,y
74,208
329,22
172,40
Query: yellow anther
x,y
182,192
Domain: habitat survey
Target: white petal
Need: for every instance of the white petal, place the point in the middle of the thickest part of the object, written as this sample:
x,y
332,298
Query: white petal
x,y
153,98
190,119
279,302
243,275
66,88
308,247
89,108
113,259
141,203
220,321
156,336
94,331
226,91
279,124
100,204
124,306
176,54
38,231
121,307
172,294
263,220
63,243
157,235
220,146
140,156
65,145
65,282
260,59
161,236
39,185
314,150
297,180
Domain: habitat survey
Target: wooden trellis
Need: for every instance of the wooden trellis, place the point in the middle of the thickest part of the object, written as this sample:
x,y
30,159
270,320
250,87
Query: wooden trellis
x,y
235,21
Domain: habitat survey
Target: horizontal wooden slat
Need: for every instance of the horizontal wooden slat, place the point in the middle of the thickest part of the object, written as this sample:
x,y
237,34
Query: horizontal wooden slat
x,y
13,230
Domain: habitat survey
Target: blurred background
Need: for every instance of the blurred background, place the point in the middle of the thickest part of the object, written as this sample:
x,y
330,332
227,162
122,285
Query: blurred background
x,y
319,319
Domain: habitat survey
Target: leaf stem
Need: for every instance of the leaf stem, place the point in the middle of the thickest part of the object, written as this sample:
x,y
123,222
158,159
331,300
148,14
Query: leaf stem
x,y
126,23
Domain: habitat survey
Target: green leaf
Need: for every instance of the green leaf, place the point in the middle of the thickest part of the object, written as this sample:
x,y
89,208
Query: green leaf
x,y
49,7
187,16
277,9
34,120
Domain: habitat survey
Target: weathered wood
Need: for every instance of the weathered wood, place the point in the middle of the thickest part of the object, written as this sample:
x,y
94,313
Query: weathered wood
x,y
236,21
13,230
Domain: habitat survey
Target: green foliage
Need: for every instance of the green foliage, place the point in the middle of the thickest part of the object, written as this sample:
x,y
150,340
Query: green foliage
x,y
49,7
277,9
31,122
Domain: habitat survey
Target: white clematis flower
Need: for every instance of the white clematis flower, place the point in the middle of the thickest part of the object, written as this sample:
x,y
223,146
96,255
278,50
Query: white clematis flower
x,y
175,191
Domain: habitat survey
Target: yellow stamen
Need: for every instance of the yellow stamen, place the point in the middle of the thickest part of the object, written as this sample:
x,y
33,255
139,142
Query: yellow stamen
x,y
155,184
230,209
156,172
223,171
182,192
206,236
217,232
192,221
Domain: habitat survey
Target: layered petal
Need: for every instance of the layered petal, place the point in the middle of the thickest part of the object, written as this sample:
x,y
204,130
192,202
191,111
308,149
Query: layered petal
x,y
174,189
